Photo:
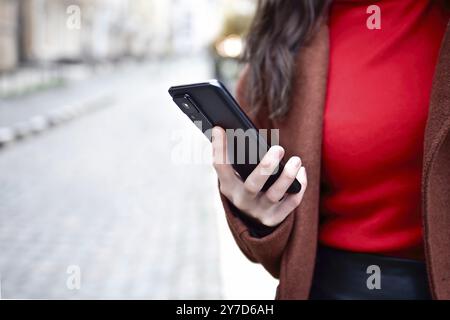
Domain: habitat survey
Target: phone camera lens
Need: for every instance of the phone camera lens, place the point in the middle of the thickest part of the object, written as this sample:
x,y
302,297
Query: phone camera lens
x,y
186,105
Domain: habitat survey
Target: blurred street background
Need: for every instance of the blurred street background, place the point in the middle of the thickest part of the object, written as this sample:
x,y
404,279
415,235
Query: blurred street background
x,y
94,201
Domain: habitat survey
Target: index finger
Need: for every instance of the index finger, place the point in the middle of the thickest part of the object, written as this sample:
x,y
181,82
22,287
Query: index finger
x,y
221,163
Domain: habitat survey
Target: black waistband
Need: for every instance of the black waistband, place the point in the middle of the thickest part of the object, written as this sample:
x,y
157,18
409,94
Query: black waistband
x,y
342,275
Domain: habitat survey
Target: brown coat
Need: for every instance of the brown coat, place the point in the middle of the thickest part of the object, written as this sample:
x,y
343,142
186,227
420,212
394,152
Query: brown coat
x,y
289,252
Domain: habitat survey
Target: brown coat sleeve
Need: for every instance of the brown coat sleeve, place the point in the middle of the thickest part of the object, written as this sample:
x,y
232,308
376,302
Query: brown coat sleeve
x,y
266,250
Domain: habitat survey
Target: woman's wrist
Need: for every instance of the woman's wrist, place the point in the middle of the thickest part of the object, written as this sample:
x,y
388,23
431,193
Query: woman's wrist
x,y
257,228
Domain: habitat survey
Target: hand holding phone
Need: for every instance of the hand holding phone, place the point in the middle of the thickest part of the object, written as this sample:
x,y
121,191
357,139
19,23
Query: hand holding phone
x,y
270,207
264,187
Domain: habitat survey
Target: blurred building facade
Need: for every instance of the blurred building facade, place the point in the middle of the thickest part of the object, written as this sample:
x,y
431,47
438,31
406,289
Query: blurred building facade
x,y
8,34
35,32
106,29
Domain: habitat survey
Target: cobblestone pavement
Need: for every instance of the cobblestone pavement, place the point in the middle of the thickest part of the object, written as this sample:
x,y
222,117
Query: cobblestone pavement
x,y
102,193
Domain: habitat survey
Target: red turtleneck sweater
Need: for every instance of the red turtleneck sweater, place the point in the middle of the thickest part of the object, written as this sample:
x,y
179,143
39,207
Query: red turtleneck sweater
x,y
377,105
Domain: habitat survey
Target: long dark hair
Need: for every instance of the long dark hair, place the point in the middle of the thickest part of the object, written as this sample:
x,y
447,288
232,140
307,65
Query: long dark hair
x,y
279,29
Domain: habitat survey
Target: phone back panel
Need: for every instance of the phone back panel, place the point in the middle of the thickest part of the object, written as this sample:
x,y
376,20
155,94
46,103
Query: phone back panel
x,y
216,103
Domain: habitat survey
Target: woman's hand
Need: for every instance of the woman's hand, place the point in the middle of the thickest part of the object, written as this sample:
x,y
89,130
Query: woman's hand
x,y
271,207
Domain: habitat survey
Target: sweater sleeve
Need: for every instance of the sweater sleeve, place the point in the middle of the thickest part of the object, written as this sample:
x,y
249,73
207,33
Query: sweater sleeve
x,y
259,244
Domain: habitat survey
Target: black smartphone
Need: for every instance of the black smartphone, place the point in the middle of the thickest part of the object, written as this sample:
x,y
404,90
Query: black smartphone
x,y
209,104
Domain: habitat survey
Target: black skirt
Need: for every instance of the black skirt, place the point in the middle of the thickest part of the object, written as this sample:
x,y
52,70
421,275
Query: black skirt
x,y
344,275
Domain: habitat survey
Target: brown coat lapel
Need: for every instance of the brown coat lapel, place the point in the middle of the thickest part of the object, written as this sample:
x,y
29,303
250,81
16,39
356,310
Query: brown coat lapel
x,y
436,178
301,134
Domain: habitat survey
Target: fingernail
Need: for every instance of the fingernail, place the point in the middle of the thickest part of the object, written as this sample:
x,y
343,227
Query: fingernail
x,y
277,152
301,172
296,161
266,163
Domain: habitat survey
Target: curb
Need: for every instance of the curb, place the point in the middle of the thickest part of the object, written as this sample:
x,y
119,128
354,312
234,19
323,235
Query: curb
x,y
40,123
